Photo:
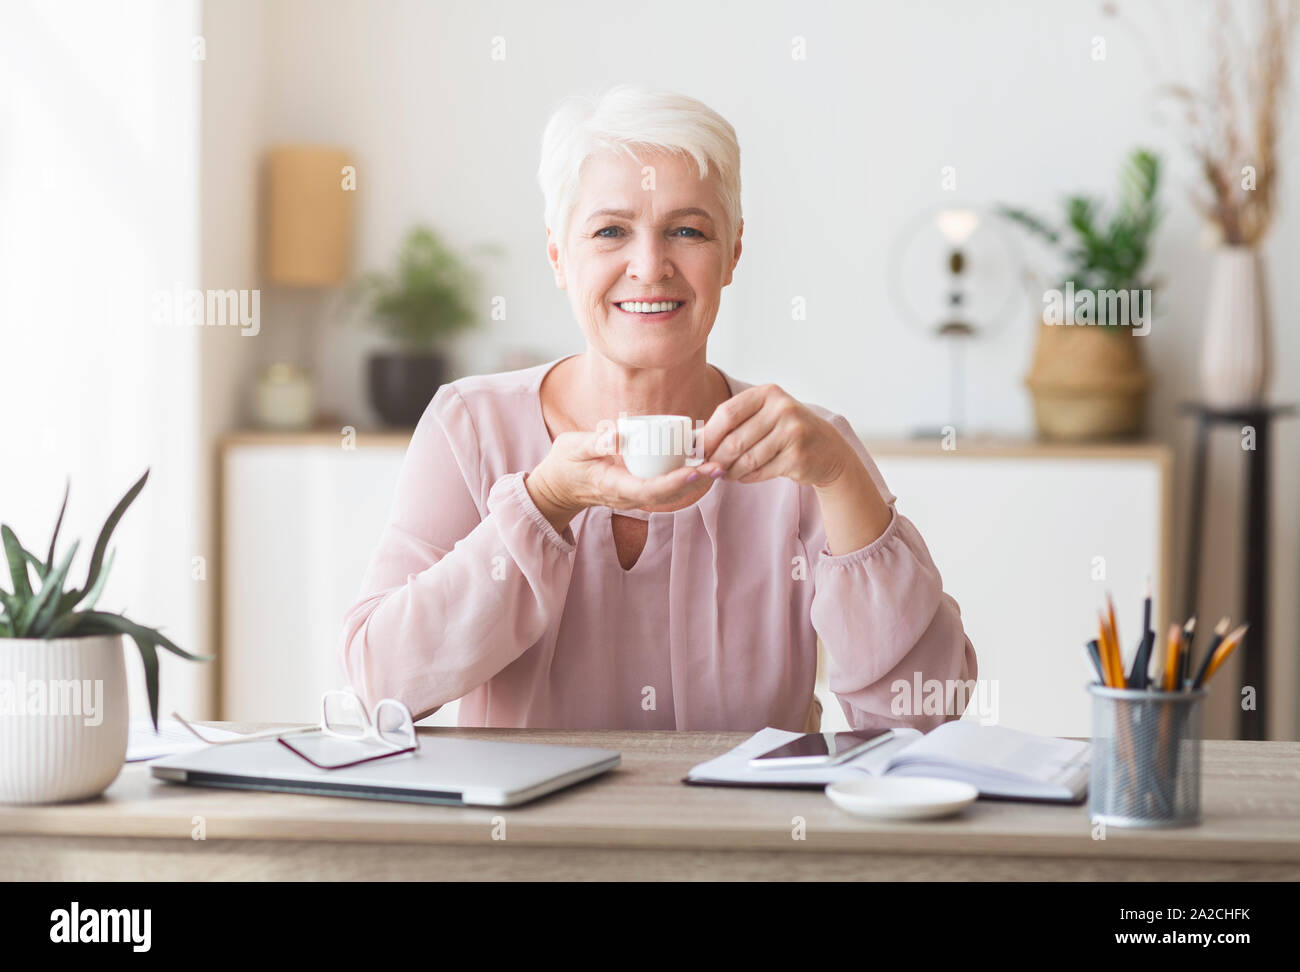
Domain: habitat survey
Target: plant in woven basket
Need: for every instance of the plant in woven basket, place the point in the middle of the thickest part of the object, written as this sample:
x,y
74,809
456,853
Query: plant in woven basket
x,y
49,608
1105,252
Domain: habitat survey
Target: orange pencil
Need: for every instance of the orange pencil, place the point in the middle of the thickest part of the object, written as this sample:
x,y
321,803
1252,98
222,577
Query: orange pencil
x,y
1172,659
1222,652
1115,643
1116,657
1103,651
1162,650
1107,656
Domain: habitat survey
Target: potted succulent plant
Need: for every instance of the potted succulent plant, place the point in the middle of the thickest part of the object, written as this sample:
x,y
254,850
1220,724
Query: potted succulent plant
x,y
429,297
63,698
1089,378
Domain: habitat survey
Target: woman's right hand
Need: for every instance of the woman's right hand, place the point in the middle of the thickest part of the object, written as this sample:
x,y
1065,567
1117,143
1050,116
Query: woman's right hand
x,y
584,469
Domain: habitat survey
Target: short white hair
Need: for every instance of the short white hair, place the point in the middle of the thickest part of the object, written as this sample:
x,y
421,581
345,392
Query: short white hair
x,y
627,117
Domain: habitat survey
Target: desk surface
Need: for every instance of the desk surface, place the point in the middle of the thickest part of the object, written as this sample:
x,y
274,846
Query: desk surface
x,y
1250,804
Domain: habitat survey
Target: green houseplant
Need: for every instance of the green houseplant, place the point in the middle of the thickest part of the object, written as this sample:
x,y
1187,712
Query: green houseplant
x,y
428,298
55,646
1105,254
1089,379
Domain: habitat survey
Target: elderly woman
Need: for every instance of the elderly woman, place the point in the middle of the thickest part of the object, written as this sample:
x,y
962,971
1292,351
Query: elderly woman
x,y
527,572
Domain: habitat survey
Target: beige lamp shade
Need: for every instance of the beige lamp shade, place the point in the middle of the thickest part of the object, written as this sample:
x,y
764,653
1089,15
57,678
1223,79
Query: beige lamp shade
x,y
308,216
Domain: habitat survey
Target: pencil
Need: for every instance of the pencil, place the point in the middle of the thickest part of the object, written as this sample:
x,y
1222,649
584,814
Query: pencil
x,y
1161,653
1185,655
1115,642
1109,665
1094,656
1184,650
1103,651
1220,630
1225,649
1171,658
1137,676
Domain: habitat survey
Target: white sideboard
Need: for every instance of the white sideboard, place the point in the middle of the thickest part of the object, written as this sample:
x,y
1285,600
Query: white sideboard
x,y
1029,538
301,515
1015,529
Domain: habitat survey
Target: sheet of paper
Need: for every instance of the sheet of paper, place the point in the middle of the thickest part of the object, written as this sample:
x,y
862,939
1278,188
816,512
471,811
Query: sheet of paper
x,y
172,737
1000,752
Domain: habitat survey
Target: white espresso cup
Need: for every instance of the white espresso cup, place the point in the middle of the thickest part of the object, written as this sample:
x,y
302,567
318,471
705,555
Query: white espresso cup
x,y
655,445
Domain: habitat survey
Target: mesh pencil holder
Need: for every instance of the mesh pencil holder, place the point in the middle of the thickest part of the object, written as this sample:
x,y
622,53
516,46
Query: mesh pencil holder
x,y
1146,757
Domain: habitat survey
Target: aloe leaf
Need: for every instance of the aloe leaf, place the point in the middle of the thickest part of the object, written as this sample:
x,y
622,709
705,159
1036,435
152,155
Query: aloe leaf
x,y
146,640
40,610
41,570
92,595
117,622
72,599
18,559
54,538
101,545
66,625
149,655
52,594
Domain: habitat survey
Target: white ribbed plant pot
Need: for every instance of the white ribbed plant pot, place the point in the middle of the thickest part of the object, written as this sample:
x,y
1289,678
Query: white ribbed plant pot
x,y
58,743
1235,364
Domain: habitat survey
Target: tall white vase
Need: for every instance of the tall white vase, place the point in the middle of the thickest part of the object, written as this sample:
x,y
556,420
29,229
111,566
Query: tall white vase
x,y
1236,345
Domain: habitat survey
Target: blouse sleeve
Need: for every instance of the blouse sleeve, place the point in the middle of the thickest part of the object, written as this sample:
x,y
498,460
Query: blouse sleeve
x,y
452,595
887,625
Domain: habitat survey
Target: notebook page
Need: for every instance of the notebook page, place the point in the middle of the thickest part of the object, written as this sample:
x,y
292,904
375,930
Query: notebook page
x,y
172,737
996,752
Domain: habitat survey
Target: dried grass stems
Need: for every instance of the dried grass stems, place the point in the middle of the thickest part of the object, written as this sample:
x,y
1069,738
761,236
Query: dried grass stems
x,y
1232,120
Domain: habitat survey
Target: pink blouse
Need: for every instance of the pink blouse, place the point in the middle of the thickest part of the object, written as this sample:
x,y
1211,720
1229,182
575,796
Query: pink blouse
x,y
472,595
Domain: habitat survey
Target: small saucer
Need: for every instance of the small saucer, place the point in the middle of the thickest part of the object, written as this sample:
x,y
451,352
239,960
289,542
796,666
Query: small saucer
x,y
901,797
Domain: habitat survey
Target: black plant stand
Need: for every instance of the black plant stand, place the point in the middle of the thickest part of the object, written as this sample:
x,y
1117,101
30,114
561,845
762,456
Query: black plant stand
x,y
1253,723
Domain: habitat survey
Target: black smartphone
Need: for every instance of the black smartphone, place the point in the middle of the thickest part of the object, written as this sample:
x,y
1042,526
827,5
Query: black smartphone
x,y
820,749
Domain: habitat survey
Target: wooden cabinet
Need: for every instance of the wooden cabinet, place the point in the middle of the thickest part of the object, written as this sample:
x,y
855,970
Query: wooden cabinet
x,y
1028,539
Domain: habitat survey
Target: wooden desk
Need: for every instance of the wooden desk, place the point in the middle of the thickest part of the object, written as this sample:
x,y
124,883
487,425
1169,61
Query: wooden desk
x,y
640,822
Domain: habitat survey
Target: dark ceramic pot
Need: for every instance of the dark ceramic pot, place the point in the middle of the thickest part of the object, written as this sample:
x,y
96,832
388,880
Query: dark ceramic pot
x,y
402,384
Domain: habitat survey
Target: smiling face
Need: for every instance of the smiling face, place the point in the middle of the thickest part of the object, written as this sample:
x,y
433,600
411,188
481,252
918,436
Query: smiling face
x,y
664,245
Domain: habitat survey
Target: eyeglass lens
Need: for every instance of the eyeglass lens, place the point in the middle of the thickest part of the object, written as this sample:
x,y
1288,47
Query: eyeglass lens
x,y
344,715
394,724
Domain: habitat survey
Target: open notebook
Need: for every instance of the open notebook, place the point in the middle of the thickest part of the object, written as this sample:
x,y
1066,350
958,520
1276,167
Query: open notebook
x,y
1001,763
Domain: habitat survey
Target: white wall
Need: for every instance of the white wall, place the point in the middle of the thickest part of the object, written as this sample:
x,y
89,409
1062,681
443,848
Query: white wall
x,y
98,216
839,152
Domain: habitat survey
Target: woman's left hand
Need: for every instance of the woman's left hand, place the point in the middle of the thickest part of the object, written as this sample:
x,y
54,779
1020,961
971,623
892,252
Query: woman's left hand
x,y
764,433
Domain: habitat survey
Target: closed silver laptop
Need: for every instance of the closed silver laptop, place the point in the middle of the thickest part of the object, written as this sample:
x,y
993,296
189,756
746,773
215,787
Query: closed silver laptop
x,y
443,770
